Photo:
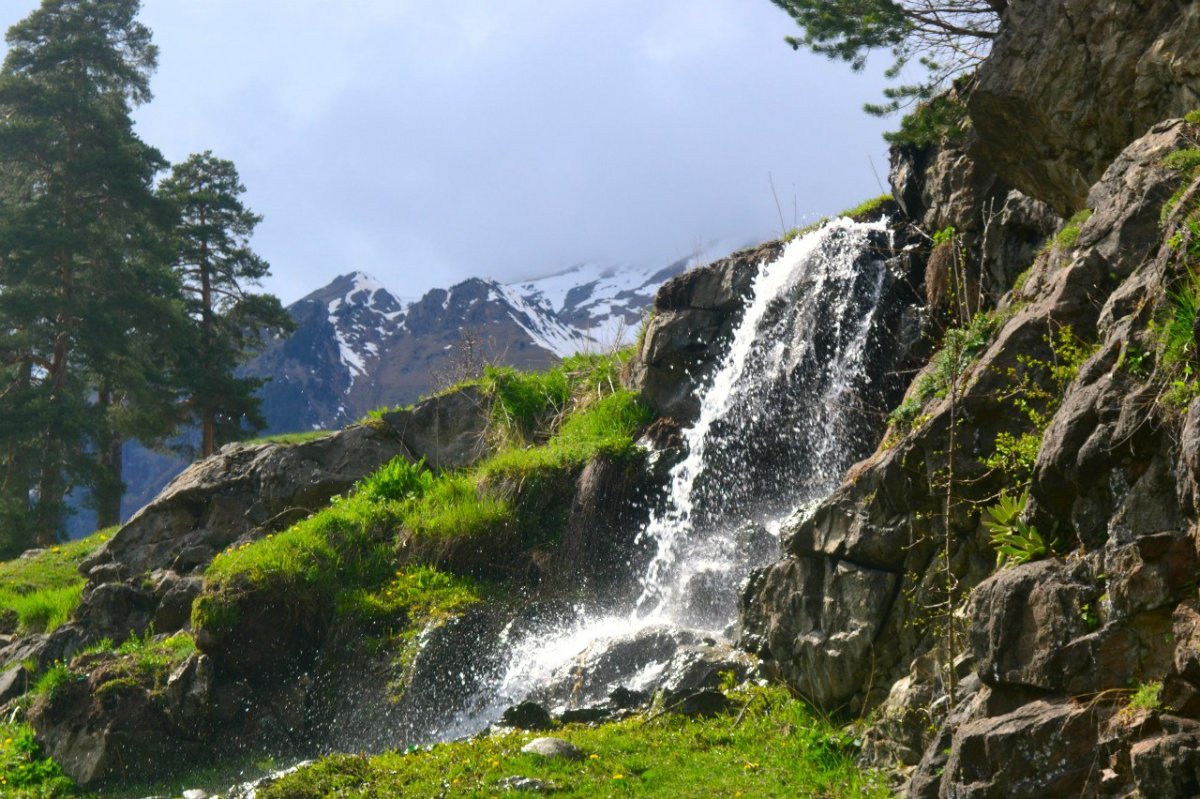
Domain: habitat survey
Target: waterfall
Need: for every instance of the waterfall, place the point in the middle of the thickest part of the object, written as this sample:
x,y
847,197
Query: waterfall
x,y
777,428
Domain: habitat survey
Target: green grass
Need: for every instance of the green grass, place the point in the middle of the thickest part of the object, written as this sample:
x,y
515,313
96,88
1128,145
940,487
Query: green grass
x,y
291,438
25,771
862,209
547,425
44,589
777,748
1069,235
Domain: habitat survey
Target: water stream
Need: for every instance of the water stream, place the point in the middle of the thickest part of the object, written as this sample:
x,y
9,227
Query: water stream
x,y
776,429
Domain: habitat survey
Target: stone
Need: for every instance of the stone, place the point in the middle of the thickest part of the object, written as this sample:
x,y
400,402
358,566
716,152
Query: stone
x,y
174,610
195,793
527,716
624,698
449,431
818,619
702,704
243,489
1167,767
526,784
13,683
585,715
1053,74
1042,749
552,748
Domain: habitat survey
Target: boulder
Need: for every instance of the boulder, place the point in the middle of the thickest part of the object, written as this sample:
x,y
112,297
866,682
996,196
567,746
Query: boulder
x,y
243,489
449,431
553,749
1042,749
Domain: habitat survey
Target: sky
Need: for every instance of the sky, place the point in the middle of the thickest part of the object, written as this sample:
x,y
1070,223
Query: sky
x,y
428,141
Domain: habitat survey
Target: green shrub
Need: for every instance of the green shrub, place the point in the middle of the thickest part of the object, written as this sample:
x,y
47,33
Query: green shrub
x,y
1015,541
398,480
938,121
52,680
25,770
1146,696
1192,117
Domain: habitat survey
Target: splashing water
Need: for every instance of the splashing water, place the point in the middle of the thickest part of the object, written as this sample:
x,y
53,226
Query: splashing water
x,y
777,428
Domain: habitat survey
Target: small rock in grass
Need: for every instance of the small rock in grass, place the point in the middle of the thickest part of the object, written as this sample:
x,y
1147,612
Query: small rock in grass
x,y
527,784
704,704
552,748
195,793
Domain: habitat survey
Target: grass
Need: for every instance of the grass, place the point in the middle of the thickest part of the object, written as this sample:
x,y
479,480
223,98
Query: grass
x,y
547,426
291,438
776,748
25,771
1069,235
42,590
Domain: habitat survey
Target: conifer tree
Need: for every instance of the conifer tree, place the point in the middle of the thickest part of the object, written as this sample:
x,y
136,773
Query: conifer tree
x,y
946,36
217,268
82,294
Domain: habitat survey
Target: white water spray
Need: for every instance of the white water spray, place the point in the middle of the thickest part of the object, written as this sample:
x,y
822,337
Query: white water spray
x,y
791,369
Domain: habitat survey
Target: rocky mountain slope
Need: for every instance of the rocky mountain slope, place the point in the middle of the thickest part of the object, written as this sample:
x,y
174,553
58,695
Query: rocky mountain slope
x,y
359,347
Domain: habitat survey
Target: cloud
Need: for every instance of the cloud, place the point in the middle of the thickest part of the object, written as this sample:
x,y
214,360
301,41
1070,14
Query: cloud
x,y
429,142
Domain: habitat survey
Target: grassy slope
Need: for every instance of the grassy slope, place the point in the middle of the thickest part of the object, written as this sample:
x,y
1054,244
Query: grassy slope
x,y
44,588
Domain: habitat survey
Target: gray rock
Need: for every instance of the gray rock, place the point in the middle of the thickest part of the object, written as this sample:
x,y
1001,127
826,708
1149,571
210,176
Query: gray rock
x,y
449,431
1054,75
526,784
818,619
527,716
1041,749
13,683
554,748
1167,766
243,489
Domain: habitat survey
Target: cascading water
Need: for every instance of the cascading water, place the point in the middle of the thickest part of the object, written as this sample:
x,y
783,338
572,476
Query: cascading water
x,y
777,428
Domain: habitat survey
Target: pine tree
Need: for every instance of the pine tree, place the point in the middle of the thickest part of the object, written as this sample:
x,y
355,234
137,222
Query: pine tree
x,y
82,292
947,37
217,267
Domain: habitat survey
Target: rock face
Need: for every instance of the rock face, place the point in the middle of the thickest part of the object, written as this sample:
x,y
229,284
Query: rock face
x,y
1069,84
844,617
241,489
693,316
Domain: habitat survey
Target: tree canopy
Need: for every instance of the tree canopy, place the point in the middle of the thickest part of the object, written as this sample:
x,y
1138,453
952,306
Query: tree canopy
x,y
946,37
217,269
93,311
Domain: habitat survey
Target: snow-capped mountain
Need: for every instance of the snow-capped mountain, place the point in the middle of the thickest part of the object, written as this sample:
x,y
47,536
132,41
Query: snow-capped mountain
x,y
359,346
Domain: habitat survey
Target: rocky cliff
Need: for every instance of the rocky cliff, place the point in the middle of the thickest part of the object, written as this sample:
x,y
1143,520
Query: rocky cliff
x,y
1060,417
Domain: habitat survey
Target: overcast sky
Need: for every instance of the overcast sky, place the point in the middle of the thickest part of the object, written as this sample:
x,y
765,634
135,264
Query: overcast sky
x,y
428,141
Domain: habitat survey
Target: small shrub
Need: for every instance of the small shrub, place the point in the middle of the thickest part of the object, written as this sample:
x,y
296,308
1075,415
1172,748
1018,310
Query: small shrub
x,y
1146,696
52,680
1069,235
940,120
25,770
398,480
1192,117
1174,330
